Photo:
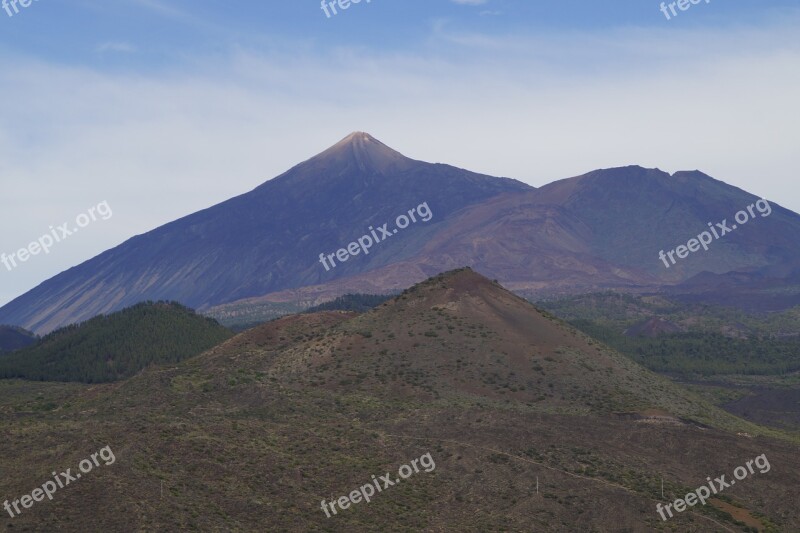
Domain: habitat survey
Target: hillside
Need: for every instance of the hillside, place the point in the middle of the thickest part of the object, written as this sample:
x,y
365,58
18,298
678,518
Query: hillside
x,y
531,425
13,338
117,346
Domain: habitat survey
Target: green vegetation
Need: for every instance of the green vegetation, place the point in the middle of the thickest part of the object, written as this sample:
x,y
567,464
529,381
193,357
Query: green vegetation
x,y
702,353
117,346
360,303
622,310
716,340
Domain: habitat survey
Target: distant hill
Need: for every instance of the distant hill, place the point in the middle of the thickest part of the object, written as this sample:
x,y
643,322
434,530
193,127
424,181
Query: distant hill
x,y
244,315
707,354
13,338
117,346
359,303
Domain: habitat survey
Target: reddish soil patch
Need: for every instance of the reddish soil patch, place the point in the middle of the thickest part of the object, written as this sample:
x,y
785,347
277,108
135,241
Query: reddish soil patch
x,y
742,515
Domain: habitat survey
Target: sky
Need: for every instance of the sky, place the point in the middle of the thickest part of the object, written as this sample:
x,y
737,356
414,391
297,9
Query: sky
x,y
154,109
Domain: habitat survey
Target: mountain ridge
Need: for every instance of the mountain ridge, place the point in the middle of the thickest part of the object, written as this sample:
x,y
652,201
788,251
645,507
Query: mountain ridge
x,y
596,232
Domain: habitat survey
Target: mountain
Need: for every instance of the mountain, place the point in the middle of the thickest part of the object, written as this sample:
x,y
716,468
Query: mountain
x,y
13,338
268,239
604,230
117,346
635,213
293,242
529,425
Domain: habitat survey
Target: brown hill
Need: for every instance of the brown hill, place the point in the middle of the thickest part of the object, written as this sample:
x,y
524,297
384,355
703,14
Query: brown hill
x,y
518,412
460,334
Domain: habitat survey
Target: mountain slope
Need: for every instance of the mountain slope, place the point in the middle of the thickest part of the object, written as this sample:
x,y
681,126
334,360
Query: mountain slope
x,y
636,212
608,226
266,240
601,230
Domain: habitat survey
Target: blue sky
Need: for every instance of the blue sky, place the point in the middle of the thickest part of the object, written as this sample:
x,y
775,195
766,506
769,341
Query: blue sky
x,y
153,34
164,107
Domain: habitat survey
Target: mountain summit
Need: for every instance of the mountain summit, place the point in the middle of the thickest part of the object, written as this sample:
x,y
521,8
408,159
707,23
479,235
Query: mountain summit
x,y
364,152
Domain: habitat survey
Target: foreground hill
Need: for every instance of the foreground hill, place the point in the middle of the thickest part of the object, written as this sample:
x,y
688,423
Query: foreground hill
x,y
109,348
460,334
13,338
530,425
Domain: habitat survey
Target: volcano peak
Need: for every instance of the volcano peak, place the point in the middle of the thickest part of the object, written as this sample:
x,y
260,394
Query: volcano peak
x,y
363,151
